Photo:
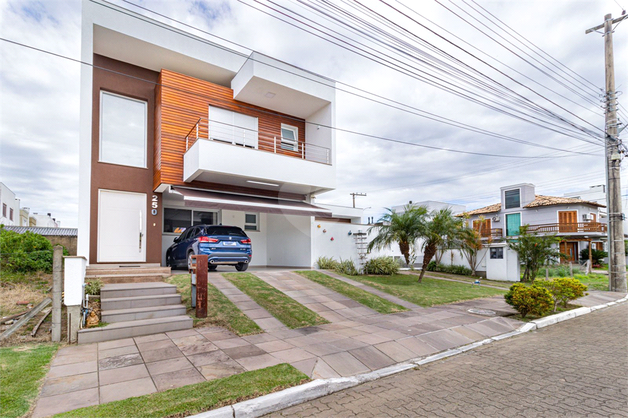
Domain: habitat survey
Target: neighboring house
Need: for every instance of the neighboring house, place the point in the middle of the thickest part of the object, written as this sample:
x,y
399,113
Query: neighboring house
x,y
9,206
576,221
44,220
597,194
57,236
178,131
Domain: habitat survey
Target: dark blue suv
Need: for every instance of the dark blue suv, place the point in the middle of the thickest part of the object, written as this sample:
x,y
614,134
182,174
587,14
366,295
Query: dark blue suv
x,y
225,245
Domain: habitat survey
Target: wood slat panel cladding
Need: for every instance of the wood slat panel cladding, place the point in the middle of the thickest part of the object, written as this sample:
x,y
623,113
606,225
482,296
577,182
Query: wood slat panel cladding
x,y
181,101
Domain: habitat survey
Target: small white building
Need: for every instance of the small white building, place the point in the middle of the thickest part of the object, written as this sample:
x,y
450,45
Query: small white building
x,y
10,207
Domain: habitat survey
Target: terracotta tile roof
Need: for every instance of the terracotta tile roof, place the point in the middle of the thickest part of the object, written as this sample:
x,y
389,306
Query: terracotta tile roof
x,y
486,209
539,200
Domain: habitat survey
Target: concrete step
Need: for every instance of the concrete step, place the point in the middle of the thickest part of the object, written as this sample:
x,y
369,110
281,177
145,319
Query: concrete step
x,y
139,302
133,314
137,328
127,271
137,278
121,290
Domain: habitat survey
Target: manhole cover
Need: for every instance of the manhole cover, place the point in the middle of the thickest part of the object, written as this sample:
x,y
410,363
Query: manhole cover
x,y
485,312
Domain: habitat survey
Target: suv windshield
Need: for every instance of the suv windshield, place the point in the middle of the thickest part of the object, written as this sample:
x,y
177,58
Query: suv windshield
x,y
230,231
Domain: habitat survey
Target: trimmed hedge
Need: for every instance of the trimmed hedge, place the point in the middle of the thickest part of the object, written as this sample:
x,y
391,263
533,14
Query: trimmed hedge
x,y
453,269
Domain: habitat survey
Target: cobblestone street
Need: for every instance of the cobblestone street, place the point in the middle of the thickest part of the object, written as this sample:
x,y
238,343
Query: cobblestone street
x,y
578,368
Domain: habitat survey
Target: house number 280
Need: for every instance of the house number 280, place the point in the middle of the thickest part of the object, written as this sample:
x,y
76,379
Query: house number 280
x,y
154,204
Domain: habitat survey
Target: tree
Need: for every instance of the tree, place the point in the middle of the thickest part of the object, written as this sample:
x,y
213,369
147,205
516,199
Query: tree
x,y
401,228
470,246
436,230
534,251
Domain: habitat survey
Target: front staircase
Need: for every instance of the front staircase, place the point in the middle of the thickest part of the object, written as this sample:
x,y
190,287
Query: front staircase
x,y
137,308
127,273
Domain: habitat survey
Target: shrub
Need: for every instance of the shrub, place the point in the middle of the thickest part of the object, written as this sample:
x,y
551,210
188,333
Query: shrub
x,y
526,300
453,269
563,289
596,255
347,267
25,252
327,263
382,265
92,287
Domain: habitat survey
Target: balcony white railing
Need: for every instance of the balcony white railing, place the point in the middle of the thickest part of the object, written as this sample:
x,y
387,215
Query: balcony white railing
x,y
248,138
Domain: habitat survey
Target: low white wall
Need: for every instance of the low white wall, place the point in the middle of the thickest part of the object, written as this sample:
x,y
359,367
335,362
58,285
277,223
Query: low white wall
x,y
343,246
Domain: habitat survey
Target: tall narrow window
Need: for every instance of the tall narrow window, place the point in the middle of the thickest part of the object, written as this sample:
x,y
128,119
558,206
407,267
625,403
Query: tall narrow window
x,y
512,198
289,137
11,214
513,223
123,125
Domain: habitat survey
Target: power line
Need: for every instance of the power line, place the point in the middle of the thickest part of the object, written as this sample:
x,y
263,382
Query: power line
x,y
392,140
420,113
401,71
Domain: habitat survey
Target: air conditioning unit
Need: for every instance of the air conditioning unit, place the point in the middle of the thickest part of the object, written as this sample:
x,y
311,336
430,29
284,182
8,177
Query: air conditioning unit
x,y
586,217
495,218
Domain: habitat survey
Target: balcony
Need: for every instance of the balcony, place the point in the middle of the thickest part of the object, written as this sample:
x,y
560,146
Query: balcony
x,y
227,154
569,228
494,233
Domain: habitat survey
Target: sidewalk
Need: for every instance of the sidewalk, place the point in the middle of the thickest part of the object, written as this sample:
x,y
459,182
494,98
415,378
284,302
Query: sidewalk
x,y
357,340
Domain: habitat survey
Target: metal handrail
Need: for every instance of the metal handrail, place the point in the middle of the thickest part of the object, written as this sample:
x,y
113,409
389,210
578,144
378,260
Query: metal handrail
x,y
226,133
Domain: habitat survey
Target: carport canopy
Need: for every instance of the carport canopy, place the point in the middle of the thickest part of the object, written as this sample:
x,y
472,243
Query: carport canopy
x,y
216,200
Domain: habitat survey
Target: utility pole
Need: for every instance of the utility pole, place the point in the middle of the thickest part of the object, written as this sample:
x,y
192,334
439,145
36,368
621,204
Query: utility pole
x,y
617,258
356,194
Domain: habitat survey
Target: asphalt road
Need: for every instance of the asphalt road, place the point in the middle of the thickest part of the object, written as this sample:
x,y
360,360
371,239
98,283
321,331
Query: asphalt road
x,y
578,368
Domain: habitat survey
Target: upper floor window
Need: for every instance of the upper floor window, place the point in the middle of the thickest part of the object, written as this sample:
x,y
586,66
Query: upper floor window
x,y
512,198
233,127
123,126
4,210
289,137
11,214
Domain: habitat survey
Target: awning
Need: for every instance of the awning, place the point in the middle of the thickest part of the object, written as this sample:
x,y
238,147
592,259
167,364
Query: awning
x,y
215,200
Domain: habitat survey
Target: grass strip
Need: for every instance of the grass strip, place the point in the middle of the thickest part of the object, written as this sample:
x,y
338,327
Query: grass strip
x,y
21,371
193,399
367,299
290,312
220,310
430,292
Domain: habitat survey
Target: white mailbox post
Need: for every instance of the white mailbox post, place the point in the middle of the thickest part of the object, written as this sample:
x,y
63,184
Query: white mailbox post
x,y
74,292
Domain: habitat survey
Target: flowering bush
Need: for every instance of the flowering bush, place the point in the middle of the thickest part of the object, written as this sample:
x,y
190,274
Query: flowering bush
x,y
563,289
526,300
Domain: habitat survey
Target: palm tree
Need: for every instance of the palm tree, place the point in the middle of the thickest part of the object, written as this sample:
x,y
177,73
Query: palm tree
x,y
435,231
401,228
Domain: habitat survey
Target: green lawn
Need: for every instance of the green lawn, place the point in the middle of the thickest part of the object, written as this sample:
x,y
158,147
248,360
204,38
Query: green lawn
x,y
220,310
593,281
21,371
429,293
370,300
193,399
282,307
469,279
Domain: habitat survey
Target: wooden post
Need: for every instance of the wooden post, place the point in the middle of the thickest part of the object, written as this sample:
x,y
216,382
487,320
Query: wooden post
x,y
201,286
590,255
57,284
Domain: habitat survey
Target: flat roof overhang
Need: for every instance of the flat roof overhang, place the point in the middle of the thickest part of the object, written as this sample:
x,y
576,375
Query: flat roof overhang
x,y
215,200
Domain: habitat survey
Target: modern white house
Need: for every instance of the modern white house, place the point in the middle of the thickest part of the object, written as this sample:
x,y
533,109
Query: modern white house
x,y
178,131
10,206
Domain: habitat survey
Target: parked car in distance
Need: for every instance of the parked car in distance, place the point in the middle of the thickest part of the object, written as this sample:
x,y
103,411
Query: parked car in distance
x,y
225,245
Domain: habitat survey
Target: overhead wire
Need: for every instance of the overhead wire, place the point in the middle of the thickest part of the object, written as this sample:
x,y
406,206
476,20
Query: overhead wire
x,y
415,110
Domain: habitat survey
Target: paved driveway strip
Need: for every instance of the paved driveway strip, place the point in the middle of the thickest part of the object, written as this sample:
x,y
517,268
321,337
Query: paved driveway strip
x,y
576,368
357,340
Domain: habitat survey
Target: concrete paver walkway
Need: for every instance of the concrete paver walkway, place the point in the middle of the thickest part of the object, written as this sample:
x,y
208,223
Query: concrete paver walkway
x,y
577,368
356,340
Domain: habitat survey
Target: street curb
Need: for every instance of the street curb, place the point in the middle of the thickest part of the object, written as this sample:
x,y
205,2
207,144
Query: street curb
x,y
321,387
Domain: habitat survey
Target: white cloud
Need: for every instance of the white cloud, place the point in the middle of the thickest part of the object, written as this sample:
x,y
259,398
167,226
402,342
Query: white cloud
x,y
39,104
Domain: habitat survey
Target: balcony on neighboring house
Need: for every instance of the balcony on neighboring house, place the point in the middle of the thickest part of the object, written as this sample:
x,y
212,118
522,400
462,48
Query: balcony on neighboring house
x,y
569,228
492,234
239,154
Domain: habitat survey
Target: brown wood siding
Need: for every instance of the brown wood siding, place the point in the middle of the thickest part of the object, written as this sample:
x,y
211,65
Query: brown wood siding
x,y
181,101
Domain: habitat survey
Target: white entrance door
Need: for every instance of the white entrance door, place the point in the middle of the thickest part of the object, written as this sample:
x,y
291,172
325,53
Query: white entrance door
x,y
121,227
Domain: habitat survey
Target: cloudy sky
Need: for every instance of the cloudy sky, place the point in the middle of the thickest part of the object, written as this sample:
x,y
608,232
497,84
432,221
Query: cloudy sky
x,y
532,80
